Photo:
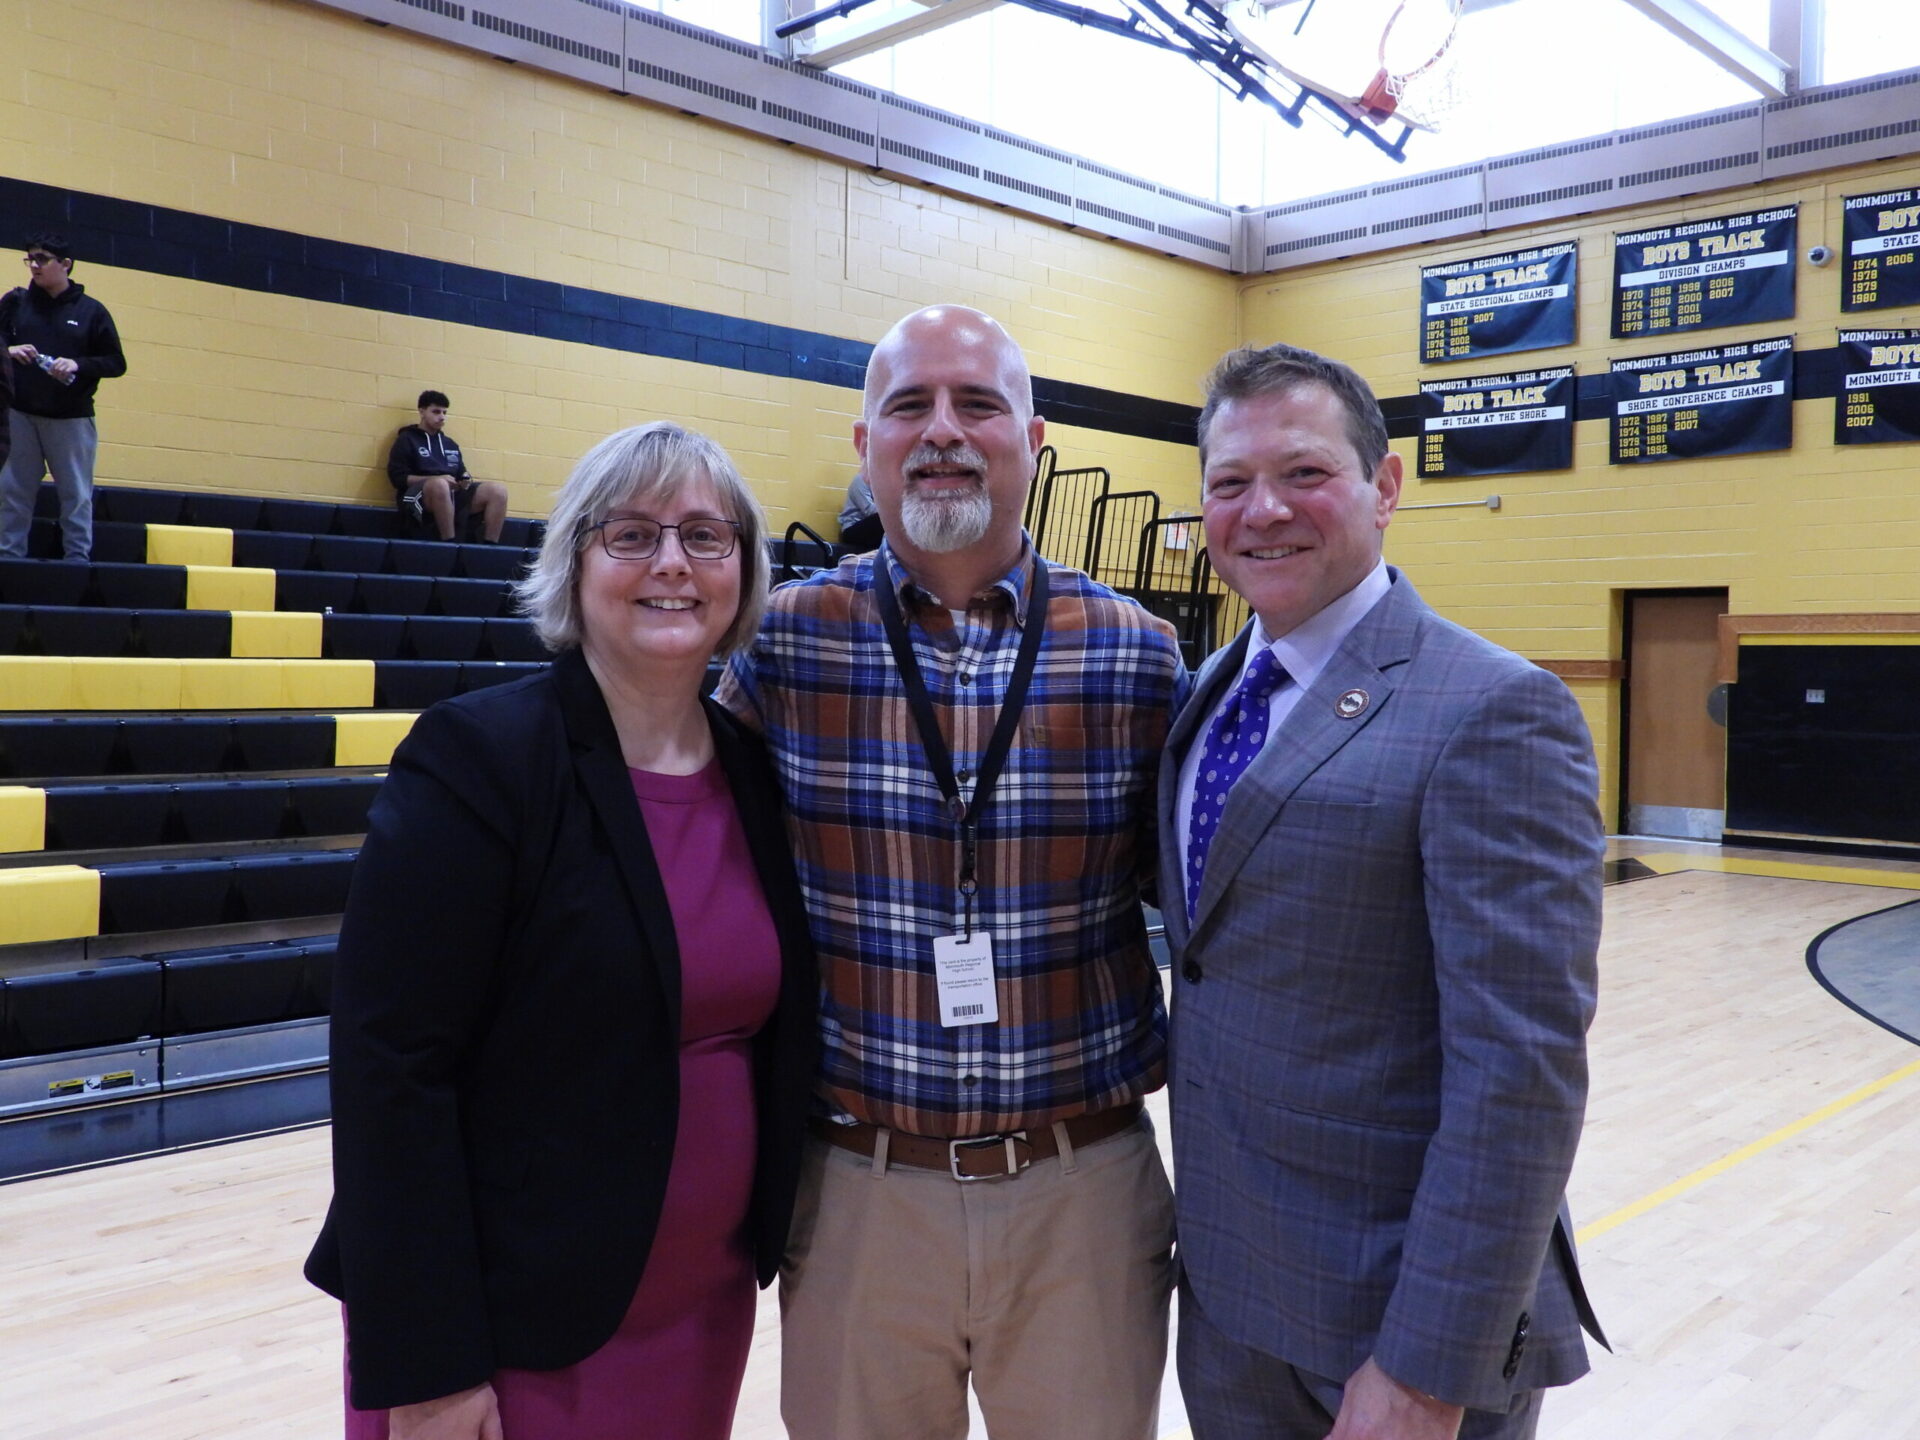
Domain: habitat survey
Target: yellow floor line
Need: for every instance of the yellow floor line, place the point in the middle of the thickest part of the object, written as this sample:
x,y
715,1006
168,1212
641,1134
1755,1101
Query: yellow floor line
x,y
1743,1154
1670,864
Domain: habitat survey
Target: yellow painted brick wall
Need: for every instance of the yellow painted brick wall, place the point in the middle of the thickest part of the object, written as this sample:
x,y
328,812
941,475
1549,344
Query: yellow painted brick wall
x,y
1815,528
277,113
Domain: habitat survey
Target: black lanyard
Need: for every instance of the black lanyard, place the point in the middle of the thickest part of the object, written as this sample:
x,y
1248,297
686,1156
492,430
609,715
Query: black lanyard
x,y
939,757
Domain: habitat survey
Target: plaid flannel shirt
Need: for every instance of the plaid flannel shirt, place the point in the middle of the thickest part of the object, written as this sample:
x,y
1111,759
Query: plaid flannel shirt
x,y
1065,841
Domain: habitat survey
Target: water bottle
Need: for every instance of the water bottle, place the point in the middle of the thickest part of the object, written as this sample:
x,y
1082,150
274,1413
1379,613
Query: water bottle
x,y
45,362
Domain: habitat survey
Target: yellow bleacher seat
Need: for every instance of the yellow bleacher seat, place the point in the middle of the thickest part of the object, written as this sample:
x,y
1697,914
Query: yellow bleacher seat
x,y
325,684
49,902
23,819
224,587
290,634
368,739
189,545
123,684
58,682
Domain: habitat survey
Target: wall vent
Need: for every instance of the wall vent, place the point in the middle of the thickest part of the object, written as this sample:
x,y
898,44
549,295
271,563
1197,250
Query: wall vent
x,y
444,8
1033,146
1696,167
693,83
612,7
546,39
1851,137
1681,127
821,77
1307,242
1027,187
1435,217
1548,197
1828,93
1318,202
900,102
816,122
1121,176
1389,187
694,32
1175,233
929,157
1551,152
1112,214
1195,201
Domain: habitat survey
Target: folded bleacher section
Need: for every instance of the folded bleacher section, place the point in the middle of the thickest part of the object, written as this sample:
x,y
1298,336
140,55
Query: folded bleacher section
x,y
192,727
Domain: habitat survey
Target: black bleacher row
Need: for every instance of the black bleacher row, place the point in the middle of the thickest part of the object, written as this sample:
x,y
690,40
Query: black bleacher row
x,y
79,746
80,630
206,812
141,896
125,586
122,505
125,542
185,992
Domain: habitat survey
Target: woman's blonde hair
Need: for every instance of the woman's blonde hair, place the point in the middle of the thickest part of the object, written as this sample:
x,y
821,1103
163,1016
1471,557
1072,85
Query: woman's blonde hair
x,y
640,466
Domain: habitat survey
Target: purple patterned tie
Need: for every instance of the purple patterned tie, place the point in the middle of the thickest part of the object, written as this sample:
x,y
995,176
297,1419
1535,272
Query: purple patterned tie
x,y
1235,737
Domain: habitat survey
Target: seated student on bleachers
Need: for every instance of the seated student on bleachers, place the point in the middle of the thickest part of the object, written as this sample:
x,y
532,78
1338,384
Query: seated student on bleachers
x,y
429,477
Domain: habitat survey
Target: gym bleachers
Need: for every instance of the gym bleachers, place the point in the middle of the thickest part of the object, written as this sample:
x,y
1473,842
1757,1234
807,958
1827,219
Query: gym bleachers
x,y
193,726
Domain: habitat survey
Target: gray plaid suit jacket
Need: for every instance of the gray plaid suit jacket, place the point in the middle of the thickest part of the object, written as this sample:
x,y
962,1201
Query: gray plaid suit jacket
x,y
1380,1012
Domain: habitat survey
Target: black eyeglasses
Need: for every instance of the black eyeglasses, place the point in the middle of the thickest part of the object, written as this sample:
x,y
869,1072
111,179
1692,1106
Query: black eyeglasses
x,y
35,260
631,538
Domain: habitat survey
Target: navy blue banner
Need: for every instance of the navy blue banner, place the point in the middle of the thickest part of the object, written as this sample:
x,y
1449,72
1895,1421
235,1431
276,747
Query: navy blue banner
x,y
1734,270
1497,304
1882,246
1879,401
1497,424
1731,400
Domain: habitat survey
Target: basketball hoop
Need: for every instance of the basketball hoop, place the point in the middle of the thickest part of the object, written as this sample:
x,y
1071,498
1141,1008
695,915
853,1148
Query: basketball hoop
x,y
1417,79
1379,59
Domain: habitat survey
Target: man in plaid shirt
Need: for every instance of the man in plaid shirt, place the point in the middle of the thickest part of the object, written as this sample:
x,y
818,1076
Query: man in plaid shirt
x,y
983,1195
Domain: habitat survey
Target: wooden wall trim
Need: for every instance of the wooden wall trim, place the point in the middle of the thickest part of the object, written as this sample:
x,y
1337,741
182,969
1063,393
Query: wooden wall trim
x,y
1584,669
1732,627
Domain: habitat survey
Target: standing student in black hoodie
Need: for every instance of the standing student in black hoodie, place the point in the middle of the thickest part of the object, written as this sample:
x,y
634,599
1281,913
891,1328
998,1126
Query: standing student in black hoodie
x,y
61,343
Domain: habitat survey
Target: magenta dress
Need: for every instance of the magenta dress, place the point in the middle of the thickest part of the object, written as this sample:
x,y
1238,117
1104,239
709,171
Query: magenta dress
x,y
674,1365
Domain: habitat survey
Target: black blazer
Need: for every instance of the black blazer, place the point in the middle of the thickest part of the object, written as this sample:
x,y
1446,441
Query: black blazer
x,y
506,1019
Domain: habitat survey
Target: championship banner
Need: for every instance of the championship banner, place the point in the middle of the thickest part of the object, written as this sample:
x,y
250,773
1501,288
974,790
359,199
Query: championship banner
x,y
1524,300
1879,400
1496,424
1699,403
1882,248
1736,270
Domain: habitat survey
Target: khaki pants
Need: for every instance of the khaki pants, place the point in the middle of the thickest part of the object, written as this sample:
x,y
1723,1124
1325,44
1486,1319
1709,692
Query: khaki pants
x,y
1051,1288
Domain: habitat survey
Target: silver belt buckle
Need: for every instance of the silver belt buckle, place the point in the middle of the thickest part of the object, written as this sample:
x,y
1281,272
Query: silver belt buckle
x,y
1014,1163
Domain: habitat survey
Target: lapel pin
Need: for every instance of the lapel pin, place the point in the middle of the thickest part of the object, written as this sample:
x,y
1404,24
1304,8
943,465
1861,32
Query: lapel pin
x,y
1349,705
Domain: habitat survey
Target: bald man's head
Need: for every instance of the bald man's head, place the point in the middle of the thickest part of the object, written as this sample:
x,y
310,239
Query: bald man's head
x,y
959,331
947,433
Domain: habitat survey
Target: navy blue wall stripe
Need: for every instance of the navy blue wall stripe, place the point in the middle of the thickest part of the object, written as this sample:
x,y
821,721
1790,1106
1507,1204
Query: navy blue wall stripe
x,y
134,236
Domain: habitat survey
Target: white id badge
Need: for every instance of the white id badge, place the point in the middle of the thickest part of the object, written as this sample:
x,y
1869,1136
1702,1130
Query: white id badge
x,y
963,966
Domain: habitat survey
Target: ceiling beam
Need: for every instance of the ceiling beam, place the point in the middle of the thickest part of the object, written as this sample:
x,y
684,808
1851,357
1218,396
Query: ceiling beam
x,y
879,27
1797,34
1719,42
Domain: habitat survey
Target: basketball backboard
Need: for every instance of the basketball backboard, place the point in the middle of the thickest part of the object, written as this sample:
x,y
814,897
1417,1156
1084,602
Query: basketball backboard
x,y
1378,58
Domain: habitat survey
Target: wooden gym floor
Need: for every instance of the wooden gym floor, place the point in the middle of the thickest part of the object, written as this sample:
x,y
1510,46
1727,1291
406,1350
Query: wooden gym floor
x,y
1748,1196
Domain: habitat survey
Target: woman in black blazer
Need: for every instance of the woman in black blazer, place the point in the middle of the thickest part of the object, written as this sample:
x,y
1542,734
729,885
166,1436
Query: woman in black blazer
x,y
576,893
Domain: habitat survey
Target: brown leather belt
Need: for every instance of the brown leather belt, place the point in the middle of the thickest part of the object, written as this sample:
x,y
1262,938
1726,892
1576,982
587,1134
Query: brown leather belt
x,y
981,1157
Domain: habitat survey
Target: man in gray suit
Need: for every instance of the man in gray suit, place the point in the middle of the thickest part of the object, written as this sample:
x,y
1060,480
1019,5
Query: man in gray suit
x,y
1380,867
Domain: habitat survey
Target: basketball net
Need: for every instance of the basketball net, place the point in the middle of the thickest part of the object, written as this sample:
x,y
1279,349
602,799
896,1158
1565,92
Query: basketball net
x,y
1380,58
